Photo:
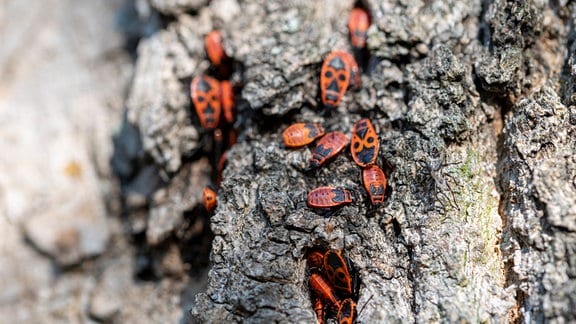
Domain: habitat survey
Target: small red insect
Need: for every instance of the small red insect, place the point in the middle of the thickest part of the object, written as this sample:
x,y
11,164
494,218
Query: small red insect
x,y
214,49
337,272
327,147
364,145
346,312
209,199
228,101
323,290
335,77
327,197
205,94
301,134
358,25
375,183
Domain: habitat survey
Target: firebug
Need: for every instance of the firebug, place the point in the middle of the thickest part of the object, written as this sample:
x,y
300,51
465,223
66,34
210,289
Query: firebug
x,y
375,183
214,49
337,272
322,289
205,94
301,134
364,145
358,24
318,306
335,77
327,197
315,259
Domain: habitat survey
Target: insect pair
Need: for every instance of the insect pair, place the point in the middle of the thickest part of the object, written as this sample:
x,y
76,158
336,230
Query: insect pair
x,y
365,147
340,69
329,145
333,285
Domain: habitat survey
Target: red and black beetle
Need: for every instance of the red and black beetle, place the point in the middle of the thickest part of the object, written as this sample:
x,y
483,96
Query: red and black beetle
x,y
335,77
301,134
214,49
375,183
337,272
315,259
327,197
364,145
205,94
358,25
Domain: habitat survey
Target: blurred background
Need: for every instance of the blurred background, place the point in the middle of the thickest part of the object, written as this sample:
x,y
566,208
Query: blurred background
x,y
65,70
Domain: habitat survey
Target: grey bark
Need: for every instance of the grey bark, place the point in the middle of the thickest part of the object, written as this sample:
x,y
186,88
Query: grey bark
x,y
473,102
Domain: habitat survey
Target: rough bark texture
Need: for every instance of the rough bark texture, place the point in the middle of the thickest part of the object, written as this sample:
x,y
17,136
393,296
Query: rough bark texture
x,y
473,102
476,140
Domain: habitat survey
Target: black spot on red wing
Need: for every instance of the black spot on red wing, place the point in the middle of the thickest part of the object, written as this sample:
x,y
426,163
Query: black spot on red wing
x,y
356,145
332,259
204,86
377,190
340,281
331,96
200,98
322,151
366,155
209,109
370,139
328,74
312,129
338,196
333,86
337,63
342,77
361,131
360,34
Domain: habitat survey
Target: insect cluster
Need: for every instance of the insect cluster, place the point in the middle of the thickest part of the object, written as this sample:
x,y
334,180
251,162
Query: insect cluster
x,y
339,72
214,102
332,280
333,286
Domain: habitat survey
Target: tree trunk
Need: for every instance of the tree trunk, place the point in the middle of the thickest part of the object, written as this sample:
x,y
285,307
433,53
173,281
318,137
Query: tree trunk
x,y
473,105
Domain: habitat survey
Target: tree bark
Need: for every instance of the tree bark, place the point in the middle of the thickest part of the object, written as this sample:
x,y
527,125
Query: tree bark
x,y
473,104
